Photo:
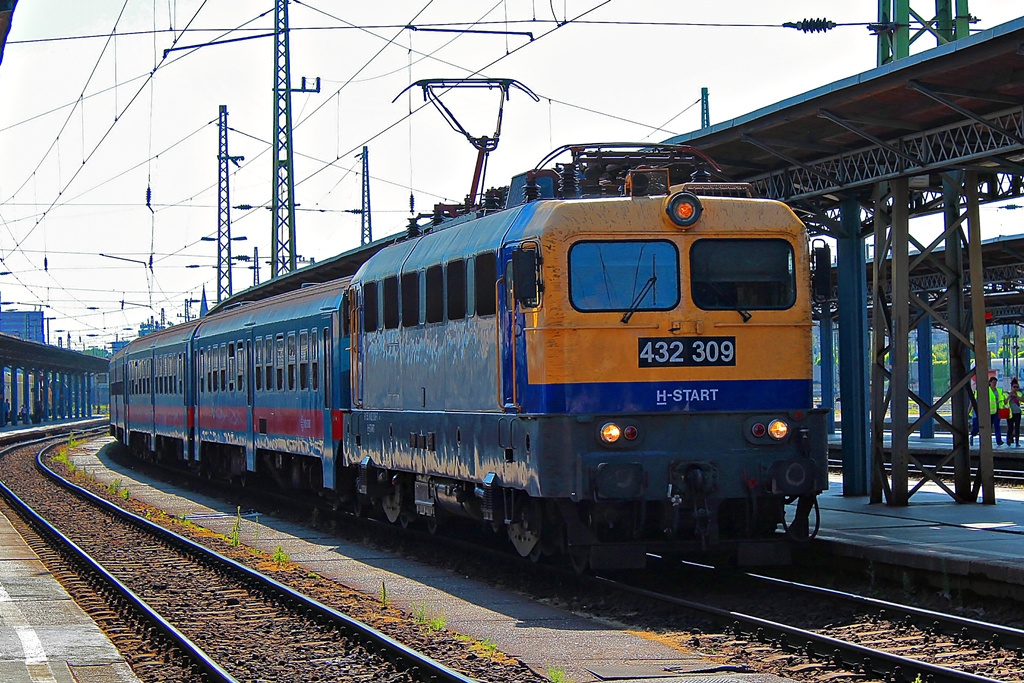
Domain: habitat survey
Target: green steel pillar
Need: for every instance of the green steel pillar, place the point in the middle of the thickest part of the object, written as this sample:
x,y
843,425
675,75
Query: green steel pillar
x,y
853,352
893,27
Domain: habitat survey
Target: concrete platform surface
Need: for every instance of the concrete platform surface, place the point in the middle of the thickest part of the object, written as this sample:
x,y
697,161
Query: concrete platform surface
x,y
44,636
933,532
539,635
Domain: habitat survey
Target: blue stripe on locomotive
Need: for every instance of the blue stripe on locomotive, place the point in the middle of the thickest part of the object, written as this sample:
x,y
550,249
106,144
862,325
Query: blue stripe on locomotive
x,y
655,397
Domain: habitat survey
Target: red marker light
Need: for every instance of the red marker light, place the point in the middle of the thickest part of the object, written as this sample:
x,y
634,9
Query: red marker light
x,y
758,429
684,209
630,433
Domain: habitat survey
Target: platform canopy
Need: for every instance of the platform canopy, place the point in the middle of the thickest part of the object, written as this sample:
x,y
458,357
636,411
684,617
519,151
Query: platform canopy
x,y
6,14
19,353
957,106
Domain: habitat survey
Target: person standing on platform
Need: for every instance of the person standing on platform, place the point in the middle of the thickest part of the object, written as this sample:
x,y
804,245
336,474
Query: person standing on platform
x,y
996,398
5,419
991,407
1013,422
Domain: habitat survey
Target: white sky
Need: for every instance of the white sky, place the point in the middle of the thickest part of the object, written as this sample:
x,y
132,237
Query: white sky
x,y
84,130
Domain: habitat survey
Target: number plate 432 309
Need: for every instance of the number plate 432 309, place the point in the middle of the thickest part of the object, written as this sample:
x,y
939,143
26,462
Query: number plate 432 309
x,y
671,352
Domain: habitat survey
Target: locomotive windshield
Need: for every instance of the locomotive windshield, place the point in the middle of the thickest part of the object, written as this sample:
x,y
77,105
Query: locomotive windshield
x,y
641,275
742,274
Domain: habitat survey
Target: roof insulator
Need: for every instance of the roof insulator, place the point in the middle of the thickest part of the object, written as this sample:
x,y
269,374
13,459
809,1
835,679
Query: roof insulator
x,y
811,25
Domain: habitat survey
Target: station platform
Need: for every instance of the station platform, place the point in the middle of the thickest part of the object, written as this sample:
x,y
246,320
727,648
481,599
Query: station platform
x,y
933,532
11,432
44,635
940,444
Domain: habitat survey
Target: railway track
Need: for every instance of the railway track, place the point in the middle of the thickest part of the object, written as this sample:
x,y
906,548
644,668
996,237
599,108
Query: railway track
x,y
191,613
809,628
1004,476
797,630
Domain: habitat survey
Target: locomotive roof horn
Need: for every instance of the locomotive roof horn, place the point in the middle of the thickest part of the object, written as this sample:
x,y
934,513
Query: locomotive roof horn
x,y
484,145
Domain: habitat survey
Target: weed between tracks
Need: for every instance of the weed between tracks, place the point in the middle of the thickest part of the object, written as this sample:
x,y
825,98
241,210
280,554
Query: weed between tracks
x,y
420,629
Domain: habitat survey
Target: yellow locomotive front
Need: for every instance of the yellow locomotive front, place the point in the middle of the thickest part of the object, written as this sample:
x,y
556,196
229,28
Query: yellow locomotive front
x,y
661,350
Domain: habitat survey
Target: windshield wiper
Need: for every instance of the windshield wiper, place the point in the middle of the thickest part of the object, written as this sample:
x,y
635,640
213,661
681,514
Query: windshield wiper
x,y
639,297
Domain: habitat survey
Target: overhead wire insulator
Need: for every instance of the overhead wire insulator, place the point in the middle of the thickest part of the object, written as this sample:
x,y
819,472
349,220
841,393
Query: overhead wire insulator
x,y
811,25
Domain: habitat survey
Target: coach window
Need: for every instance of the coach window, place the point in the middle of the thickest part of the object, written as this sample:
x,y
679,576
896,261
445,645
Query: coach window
x,y
435,295
410,299
202,371
241,363
231,367
291,361
370,307
313,359
224,367
485,275
390,303
742,274
258,361
215,363
279,362
620,275
268,361
456,291
303,360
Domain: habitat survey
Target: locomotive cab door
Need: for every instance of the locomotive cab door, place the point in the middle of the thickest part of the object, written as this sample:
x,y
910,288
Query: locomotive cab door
x,y
520,291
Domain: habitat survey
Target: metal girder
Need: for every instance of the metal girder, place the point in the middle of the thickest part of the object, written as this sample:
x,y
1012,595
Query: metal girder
x,y
822,214
964,111
282,233
897,309
939,149
224,289
788,159
366,227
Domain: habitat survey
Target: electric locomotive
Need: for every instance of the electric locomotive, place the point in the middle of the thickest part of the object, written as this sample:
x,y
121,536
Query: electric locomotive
x,y
617,363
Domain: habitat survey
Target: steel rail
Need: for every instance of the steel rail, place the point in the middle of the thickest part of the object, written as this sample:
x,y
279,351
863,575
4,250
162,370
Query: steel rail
x,y
422,666
205,664
980,630
791,637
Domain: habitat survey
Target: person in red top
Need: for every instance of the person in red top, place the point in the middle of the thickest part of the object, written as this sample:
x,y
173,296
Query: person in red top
x,y
1013,422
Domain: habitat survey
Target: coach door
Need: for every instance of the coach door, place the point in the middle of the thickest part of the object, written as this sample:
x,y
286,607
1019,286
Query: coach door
x,y
247,375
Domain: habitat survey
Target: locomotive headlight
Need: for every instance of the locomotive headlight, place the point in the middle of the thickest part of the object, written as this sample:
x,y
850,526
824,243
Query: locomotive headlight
x,y
778,429
684,209
610,432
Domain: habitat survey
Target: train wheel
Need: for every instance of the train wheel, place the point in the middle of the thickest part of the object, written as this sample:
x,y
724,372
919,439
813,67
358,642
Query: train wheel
x,y
525,535
362,505
579,558
392,505
406,518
